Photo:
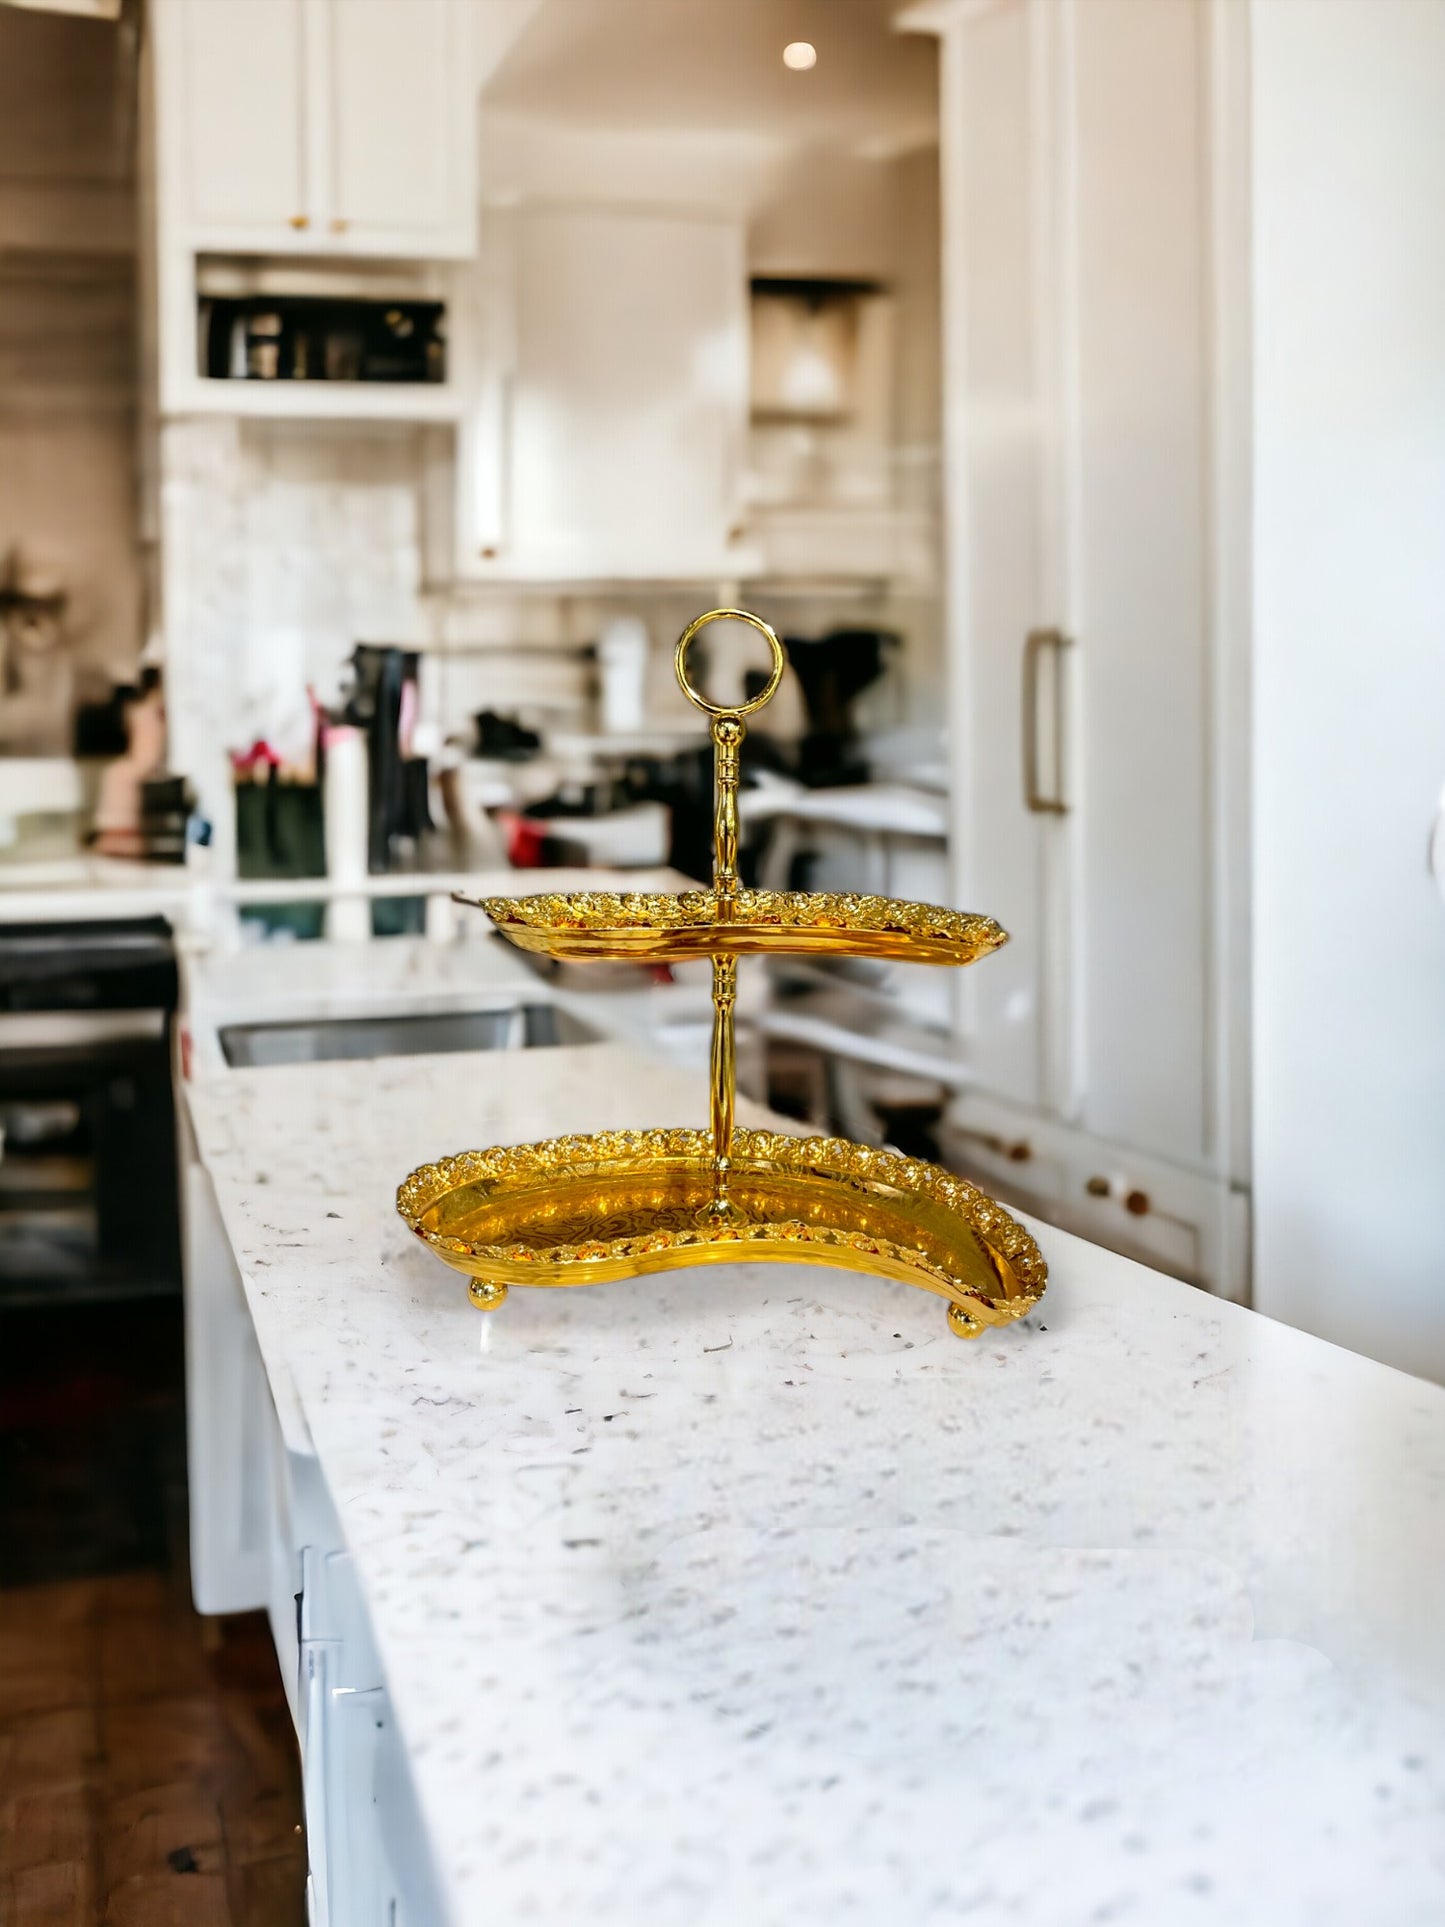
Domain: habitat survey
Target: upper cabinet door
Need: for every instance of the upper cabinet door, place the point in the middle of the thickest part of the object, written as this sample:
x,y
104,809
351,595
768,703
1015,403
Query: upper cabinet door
x,y
337,126
401,108
234,78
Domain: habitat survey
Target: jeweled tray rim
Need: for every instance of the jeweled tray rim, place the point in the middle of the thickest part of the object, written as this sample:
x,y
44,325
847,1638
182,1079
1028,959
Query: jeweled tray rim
x,y
526,1167
620,923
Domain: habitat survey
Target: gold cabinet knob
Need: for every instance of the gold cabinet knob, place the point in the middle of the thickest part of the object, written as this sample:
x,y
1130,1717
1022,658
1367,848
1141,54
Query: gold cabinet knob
x,y
300,220
340,224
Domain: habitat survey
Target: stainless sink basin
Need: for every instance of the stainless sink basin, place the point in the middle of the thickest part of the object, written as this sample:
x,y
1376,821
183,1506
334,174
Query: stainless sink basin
x,y
502,1027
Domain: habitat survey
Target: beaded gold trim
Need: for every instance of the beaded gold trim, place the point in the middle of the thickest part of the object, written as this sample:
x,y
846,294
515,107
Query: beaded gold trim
x,y
842,916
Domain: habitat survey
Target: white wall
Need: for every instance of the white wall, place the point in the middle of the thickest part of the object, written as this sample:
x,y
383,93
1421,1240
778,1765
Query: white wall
x,y
1349,1068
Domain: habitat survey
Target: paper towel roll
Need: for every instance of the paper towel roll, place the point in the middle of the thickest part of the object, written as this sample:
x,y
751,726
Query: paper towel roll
x,y
346,808
622,651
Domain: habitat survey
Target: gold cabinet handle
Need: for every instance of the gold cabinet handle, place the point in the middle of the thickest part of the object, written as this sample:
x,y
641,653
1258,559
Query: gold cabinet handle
x,y
1054,641
300,220
340,224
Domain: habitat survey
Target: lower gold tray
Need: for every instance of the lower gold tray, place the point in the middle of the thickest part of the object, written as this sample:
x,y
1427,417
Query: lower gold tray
x,y
583,1210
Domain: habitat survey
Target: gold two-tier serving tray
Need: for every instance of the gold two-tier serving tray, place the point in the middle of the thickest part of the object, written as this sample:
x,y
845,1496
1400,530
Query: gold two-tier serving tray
x,y
615,1204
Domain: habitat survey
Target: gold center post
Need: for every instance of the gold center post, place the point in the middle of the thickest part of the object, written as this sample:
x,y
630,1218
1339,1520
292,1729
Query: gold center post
x,y
728,731
727,736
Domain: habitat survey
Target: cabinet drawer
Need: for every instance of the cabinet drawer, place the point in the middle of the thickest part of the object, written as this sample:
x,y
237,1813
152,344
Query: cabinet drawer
x,y
1190,1224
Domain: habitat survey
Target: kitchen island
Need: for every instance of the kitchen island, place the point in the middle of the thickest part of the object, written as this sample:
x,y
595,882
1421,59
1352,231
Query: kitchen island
x,y
754,1595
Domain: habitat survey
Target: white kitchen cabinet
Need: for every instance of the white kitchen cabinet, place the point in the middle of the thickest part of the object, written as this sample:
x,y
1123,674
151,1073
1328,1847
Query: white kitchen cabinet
x,y
340,130
367,1863
609,433
1179,1221
239,98
317,126
256,1493
264,1533
402,112
227,1413
1097,730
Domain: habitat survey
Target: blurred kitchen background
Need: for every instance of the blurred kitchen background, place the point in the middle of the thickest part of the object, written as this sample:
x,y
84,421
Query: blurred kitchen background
x,y
383,387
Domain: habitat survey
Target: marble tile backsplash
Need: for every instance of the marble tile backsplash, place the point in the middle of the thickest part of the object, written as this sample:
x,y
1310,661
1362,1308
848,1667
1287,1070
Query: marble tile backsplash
x,y
284,545
331,533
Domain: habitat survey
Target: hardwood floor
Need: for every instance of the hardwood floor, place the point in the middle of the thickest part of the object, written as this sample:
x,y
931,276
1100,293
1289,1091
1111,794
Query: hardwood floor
x,y
148,1771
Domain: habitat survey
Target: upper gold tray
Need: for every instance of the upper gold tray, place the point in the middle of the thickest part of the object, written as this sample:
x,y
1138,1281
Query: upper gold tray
x,y
633,926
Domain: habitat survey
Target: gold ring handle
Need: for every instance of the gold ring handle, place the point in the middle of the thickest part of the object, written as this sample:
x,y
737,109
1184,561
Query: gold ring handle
x,y
770,688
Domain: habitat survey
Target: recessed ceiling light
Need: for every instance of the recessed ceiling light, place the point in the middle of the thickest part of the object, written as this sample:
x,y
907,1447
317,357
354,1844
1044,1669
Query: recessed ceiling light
x,y
800,55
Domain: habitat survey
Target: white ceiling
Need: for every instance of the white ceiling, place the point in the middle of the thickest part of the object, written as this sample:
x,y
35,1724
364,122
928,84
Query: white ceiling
x,y
717,65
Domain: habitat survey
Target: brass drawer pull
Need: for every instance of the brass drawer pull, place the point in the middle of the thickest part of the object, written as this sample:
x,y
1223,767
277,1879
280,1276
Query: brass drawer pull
x,y
1136,1202
1017,1150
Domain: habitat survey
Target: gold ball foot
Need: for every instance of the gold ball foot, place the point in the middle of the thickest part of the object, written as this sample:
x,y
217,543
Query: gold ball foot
x,y
485,1296
959,1322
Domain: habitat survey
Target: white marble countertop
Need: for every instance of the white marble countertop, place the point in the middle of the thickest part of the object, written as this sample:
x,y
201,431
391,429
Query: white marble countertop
x,y
754,1595
66,889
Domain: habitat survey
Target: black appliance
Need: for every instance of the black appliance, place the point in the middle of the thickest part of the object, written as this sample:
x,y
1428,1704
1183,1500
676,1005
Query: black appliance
x,y
503,740
166,805
383,702
321,338
833,671
88,1184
